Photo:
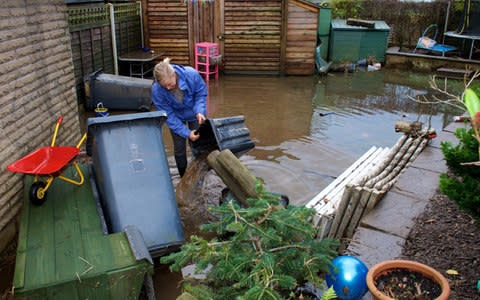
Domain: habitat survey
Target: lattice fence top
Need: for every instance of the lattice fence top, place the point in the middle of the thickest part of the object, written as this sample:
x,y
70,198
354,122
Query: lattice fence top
x,y
126,10
95,16
81,17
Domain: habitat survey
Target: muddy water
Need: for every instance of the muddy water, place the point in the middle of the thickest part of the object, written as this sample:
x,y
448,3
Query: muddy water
x,y
306,130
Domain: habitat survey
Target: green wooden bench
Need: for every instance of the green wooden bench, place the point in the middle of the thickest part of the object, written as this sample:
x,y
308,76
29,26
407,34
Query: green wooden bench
x,y
63,254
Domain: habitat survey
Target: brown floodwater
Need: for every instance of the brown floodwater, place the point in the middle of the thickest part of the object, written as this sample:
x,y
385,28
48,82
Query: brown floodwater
x,y
306,130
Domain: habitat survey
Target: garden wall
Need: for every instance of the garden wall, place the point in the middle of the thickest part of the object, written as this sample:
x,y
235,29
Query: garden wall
x,y
36,87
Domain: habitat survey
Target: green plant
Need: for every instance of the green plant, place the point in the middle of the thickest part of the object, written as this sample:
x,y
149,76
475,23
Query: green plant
x,y
343,9
462,186
465,151
271,250
466,192
472,103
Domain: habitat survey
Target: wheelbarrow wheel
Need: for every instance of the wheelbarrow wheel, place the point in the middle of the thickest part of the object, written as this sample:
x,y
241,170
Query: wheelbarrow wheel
x,y
37,197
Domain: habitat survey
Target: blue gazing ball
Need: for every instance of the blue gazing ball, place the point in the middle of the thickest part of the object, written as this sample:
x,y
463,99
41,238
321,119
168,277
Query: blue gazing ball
x,y
349,282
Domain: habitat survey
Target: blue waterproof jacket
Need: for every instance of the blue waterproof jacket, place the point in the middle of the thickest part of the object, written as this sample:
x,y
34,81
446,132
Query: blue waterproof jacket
x,y
194,99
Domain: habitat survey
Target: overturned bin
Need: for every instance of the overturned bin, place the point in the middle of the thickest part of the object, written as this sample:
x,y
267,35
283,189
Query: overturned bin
x,y
223,133
117,92
133,178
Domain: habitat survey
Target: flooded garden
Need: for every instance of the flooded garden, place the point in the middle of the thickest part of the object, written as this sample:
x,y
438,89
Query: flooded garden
x,y
307,130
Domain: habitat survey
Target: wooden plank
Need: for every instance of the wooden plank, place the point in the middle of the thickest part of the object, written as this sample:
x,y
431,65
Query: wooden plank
x,y
65,291
93,287
254,28
359,213
299,56
251,23
124,283
299,48
298,27
301,70
354,178
68,242
271,40
349,211
361,23
304,5
19,276
347,195
301,16
253,37
306,36
374,198
252,65
121,252
251,60
338,181
41,252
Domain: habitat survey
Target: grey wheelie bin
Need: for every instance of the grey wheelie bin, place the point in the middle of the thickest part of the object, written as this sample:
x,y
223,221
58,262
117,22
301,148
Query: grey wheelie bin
x,y
118,92
133,178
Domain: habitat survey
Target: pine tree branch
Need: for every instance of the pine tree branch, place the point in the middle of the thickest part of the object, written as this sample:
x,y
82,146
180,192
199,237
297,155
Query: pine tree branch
x,y
293,227
237,216
288,247
265,217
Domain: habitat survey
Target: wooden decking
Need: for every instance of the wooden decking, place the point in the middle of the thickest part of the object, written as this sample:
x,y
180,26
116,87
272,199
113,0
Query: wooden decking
x,y
426,63
63,253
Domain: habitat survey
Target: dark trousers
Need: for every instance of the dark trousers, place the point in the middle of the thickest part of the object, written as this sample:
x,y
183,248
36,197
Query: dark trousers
x,y
180,148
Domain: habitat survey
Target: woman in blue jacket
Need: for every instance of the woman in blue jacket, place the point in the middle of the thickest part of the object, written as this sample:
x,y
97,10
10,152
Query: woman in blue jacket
x,y
181,92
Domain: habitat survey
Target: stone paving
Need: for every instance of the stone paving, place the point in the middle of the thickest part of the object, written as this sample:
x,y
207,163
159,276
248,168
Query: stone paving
x,y
382,232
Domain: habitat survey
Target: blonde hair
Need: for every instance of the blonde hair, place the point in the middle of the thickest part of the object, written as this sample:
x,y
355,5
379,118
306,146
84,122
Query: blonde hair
x,y
163,71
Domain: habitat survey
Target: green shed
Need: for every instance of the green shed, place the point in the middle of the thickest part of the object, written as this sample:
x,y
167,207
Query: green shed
x,y
352,43
324,19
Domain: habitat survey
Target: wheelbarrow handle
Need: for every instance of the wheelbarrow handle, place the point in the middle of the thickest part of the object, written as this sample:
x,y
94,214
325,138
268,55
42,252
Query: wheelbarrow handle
x,y
56,131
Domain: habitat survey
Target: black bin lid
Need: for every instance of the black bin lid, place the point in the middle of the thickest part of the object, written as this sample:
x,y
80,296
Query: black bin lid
x,y
223,133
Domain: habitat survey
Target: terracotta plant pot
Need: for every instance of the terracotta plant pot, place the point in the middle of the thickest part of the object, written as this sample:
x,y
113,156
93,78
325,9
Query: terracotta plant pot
x,y
382,268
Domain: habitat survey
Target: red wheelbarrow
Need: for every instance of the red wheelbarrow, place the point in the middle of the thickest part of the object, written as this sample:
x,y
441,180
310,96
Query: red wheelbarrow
x,y
48,162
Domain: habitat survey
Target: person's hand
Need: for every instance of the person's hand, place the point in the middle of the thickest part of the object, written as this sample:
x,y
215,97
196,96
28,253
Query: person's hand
x,y
200,118
194,135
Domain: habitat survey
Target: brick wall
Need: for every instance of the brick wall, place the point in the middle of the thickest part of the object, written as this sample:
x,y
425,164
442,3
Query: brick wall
x,y
36,87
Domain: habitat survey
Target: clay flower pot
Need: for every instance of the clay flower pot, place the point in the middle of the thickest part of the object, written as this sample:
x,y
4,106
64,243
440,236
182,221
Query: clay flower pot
x,y
383,268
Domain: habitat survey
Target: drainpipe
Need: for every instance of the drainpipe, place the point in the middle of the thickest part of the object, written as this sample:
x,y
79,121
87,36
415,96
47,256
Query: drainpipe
x,y
141,21
114,40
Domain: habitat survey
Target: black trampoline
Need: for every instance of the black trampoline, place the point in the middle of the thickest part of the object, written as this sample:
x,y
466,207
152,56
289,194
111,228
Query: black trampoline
x,y
469,27
470,21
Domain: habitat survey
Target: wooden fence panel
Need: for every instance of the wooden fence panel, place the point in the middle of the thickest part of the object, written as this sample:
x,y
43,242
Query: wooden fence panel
x,y
91,40
167,23
301,39
252,35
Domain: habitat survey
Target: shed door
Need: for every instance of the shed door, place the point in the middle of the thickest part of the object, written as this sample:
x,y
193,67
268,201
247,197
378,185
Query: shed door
x,y
173,27
201,24
250,35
